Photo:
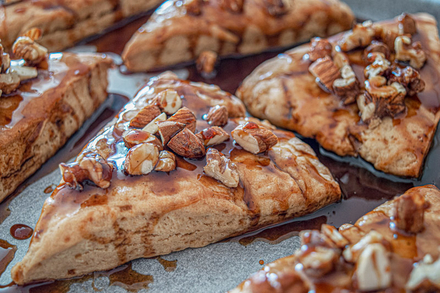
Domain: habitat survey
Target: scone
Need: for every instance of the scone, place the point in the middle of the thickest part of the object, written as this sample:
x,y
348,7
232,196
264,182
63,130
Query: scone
x,y
40,109
371,92
181,31
66,22
394,248
179,167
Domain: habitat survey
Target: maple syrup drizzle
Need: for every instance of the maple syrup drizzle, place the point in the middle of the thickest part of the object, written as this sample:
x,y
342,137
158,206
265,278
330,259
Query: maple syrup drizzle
x,y
7,252
168,265
21,231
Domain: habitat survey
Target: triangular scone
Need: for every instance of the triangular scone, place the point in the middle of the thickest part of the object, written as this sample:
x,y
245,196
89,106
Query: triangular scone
x,y
179,31
160,212
65,23
394,248
38,117
389,119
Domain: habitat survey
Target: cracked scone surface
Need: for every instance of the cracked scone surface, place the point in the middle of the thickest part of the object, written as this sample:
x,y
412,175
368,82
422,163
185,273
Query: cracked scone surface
x,y
179,32
283,91
38,119
155,214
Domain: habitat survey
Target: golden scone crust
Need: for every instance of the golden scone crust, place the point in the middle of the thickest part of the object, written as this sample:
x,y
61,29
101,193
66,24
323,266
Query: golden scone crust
x,y
179,32
44,112
155,214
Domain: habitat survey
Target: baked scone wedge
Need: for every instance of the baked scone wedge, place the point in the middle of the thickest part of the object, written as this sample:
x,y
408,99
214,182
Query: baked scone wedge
x,y
180,31
65,23
371,92
155,200
394,248
40,109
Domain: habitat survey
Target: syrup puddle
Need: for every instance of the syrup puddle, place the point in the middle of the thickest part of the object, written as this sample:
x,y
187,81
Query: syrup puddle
x,y
21,232
168,265
7,252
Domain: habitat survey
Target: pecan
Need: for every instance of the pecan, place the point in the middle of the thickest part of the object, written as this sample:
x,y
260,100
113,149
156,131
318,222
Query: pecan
x,y
407,24
186,144
5,60
275,8
167,162
152,126
373,271
34,34
409,212
168,129
145,116
24,72
212,136
234,6
9,82
185,116
319,48
141,159
168,101
26,48
91,167
221,168
377,47
333,234
253,138
425,276
136,136
406,51
313,238
409,78
347,87
217,116
205,63
379,65
319,261
361,36
351,253
325,71
388,38
340,59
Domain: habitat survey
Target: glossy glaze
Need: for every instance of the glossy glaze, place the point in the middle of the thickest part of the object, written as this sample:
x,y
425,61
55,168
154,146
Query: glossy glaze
x,y
21,231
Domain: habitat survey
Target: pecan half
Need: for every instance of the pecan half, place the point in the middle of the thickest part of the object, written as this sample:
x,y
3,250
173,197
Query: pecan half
x,y
319,48
212,136
141,159
185,116
325,71
26,48
376,47
253,138
221,168
136,136
361,36
168,129
409,212
409,78
217,116
407,24
187,144
167,162
205,63
168,101
407,51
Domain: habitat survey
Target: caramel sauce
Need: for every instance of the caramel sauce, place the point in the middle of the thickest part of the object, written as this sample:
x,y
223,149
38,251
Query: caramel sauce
x,y
49,189
168,265
21,231
261,262
7,252
127,278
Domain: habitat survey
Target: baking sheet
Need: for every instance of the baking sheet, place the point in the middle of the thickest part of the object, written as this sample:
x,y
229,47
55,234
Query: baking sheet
x,y
221,266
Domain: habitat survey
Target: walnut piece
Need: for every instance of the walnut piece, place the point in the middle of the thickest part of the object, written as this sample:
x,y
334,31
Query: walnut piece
x,y
136,136
319,48
168,129
145,116
90,166
168,101
152,126
379,65
347,87
409,212
373,271
185,116
217,116
26,48
325,71
205,63
361,36
187,144
167,162
221,168
407,24
141,159
409,78
253,138
212,136
377,47
407,51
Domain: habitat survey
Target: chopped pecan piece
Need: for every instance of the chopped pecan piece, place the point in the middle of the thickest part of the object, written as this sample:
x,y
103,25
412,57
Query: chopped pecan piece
x,y
90,166
167,162
185,116
187,144
253,138
217,116
351,253
333,234
136,136
347,87
152,126
407,24
376,47
319,48
425,276
379,65
325,71
409,78
373,271
340,59
318,261
169,101
275,8
234,6
388,38
145,116
315,238
221,168
409,212
212,136
193,7
24,72
9,82
168,129
408,51
361,36
205,63
141,159
26,48
5,60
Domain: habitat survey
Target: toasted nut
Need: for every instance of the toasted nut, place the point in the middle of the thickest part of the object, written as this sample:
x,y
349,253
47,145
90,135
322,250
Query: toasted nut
x,y
347,87
169,101
373,270
9,82
186,144
221,168
168,129
91,166
333,234
425,277
212,136
24,72
185,116
193,7
407,24
136,136
409,212
145,116
319,48
217,116
233,6
167,162
352,253
5,60
253,138
205,63
325,71
314,238
141,159
350,232
152,126
276,8
34,34
377,47
360,36
319,261
27,49
408,51
379,65
341,59
409,78
388,38
367,110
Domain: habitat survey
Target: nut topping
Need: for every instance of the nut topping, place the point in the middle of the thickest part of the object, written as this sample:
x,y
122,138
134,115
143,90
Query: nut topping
x,y
145,116
141,159
325,71
275,8
319,48
234,6
425,277
407,25
9,82
333,234
409,212
212,136
379,65
409,78
136,136
217,116
168,129
360,36
91,167
5,60
152,126
253,138
187,144
24,72
373,270
377,47
205,63
347,87
319,262
26,48
406,50
169,101
185,116
352,253
193,7
167,162
221,168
